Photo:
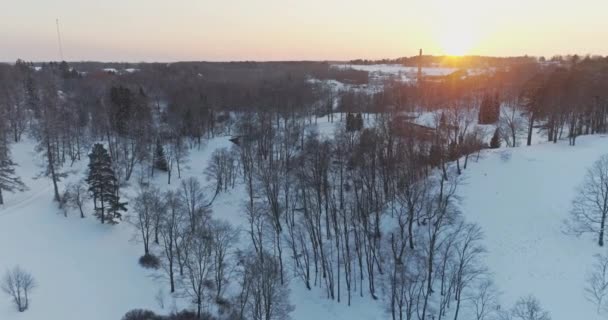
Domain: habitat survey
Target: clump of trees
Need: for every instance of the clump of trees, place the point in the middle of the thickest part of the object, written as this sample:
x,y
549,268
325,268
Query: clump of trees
x,y
526,308
18,284
354,122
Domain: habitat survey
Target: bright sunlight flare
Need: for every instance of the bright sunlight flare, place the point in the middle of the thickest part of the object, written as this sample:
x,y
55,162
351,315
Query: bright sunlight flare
x,y
457,43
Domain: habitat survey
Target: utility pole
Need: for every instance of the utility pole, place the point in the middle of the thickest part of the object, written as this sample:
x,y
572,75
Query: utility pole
x,y
419,66
59,40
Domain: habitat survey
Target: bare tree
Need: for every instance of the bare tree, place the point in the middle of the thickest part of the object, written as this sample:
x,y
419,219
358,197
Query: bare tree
x,y
171,227
222,170
468,255
198,261
76,195
596,289
590,207
224,239
529,308
193,199
511,124
267,298
147,206
484,299
18,284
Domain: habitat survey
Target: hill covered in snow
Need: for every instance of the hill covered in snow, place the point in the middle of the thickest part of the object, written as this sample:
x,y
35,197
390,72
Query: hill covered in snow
x,y
518,196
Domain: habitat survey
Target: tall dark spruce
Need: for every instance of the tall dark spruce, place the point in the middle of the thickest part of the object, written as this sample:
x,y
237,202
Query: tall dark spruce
x,y
103,185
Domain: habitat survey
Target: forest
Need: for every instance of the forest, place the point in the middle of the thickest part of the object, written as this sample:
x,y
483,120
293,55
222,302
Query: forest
x,y
369,209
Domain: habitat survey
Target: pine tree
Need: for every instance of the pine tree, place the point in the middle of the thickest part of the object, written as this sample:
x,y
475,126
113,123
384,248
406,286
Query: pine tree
x,y
359,122
160,161
483,109
495,112
8,180
489,110
350,119
495,141
104,185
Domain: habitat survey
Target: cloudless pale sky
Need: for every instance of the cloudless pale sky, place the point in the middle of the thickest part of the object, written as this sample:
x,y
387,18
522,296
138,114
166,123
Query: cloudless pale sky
x,y
172,30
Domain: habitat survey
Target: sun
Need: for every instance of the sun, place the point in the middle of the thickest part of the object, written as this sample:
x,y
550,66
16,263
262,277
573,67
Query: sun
x,y
457,41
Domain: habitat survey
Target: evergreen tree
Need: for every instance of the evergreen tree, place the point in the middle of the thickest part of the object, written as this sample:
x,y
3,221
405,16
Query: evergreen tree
x,y
354,122
350,119
495,141
495,108
103,185
8,180
489,110
160,161
359,122
121,109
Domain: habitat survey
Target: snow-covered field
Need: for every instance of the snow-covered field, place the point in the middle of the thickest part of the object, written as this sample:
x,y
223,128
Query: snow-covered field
x,y
518,196
397,69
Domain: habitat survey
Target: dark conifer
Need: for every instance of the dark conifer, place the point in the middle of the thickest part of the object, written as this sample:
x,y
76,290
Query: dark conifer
x,y
8,180
495,141
160,160
103,185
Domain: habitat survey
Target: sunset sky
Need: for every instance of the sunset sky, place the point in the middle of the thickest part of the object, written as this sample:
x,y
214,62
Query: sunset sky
x,y
163,30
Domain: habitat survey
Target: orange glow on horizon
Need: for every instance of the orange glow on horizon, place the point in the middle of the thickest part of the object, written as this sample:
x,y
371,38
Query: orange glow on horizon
x,y
300,30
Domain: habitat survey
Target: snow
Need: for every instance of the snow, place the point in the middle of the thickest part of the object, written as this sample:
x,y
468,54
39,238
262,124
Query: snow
x,y
520,198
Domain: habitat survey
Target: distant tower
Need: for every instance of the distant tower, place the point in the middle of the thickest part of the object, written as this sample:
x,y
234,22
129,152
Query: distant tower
x,y
59,40
419,66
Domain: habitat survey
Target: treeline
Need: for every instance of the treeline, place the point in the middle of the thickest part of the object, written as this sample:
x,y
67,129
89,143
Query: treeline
x,y
567,102
451,61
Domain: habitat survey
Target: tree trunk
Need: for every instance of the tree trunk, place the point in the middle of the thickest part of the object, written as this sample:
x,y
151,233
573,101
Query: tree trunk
x,y
49,154
602,226
530,129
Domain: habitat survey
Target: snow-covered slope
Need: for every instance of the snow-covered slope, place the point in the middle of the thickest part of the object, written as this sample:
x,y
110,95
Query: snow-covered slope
x,y
88,270
84,270
520,198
